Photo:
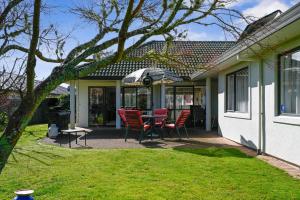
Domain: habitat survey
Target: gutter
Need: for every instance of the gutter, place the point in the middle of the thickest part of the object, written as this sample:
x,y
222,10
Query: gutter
x,y
286,18
261,112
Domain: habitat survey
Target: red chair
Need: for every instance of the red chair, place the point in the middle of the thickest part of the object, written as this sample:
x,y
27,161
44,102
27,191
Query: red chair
x,y
164,113
121,113
180,123
135,123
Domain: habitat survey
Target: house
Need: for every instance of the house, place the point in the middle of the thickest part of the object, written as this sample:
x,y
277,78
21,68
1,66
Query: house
x,y
101,93
259,87
250,89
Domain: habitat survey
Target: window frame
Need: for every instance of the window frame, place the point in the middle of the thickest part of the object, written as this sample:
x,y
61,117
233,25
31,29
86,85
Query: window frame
x,y
279,84
174,109
136,96
234,92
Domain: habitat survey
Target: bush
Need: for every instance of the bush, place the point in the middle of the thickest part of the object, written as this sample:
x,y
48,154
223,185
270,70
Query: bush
x,y
3,120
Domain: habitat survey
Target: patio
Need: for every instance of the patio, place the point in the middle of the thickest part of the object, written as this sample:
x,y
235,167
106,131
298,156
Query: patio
x,y
111,138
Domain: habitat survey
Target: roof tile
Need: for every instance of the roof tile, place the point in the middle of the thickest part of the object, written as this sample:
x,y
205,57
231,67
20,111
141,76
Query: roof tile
x,y
194,54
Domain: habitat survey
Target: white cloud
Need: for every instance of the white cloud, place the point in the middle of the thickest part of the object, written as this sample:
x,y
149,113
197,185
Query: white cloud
x,y
194,36
265,7
237,3
201,36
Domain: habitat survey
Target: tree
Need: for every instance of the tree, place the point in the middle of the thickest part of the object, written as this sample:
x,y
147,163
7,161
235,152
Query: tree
x,y
122,19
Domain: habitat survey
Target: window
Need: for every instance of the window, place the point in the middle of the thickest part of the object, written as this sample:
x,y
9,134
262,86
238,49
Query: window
x,y
179,98
237,84
134,97
129,97
144,98
289,79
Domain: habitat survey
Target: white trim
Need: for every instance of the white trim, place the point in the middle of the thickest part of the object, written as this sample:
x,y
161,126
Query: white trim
x,y
237,114
118,103
291,120
285,19
72,104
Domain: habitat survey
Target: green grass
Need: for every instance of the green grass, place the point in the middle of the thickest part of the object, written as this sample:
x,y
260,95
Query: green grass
x,y
212,173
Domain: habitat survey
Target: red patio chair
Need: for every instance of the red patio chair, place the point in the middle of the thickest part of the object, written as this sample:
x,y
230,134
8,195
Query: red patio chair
x,y
164,113
180,123
121,113
135,123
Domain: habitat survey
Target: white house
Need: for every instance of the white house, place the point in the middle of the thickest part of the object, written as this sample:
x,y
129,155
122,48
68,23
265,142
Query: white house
x,y
250,87
100,94
259,87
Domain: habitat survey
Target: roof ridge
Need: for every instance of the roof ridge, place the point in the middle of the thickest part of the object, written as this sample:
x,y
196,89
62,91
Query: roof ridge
x,y
152,41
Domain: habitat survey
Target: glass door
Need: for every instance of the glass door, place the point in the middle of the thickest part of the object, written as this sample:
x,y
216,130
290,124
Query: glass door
x,y
110,106
102,106
184,97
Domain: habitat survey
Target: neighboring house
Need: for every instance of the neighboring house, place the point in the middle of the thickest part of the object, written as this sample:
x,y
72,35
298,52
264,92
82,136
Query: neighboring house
x,y
12,84
259,87
101,93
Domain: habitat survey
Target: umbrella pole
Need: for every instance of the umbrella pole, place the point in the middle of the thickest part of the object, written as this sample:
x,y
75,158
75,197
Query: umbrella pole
x,y
152,104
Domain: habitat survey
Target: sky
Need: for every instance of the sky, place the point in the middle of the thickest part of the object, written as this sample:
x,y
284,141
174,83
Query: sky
x,y
81,32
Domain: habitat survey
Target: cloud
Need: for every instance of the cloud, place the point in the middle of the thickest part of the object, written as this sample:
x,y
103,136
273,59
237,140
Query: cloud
x,y
202,36
265,7
194,36
237,3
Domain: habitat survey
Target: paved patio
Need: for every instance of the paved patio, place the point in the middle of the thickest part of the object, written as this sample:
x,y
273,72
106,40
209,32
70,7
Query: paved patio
x,y
111,138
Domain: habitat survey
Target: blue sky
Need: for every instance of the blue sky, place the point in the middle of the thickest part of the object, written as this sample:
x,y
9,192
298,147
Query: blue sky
x,y
66,22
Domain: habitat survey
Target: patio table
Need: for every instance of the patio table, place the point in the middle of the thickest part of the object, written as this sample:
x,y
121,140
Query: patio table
x,y
76,131
152,122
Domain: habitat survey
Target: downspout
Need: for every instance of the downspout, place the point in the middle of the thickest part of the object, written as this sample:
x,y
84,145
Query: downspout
x,y
261,112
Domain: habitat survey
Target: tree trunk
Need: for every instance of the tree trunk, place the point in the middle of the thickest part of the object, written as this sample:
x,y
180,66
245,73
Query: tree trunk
x,y
16,125
20,119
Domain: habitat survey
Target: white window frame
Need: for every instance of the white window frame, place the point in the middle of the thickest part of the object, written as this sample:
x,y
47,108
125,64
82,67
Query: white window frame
x,y
283,118
237,114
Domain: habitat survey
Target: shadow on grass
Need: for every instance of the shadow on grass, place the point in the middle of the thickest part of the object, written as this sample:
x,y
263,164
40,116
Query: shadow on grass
x,y
214,152
42,157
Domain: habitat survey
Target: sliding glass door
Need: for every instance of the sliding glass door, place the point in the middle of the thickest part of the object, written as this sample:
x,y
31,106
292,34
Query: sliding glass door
x,y
137,97
102,106
179,98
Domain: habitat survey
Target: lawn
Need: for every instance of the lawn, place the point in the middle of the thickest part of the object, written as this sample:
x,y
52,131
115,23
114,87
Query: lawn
x,y
212,173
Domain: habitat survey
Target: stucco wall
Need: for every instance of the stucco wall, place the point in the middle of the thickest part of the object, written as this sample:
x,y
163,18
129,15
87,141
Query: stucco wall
x,y
281,133
242,128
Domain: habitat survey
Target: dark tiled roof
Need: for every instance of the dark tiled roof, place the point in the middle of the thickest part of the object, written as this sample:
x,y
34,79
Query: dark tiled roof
x,y
192,53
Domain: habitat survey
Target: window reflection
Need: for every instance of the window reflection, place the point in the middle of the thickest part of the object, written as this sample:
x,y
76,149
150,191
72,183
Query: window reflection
x,y
137,98
144,98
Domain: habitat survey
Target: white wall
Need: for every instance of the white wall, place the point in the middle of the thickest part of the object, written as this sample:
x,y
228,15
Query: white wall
x,y
282,133
242,128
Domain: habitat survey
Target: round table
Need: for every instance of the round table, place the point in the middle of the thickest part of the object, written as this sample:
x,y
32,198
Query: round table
x,y
152,123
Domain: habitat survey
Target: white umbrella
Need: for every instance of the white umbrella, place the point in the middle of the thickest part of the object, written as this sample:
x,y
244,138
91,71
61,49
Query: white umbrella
x,y
158,76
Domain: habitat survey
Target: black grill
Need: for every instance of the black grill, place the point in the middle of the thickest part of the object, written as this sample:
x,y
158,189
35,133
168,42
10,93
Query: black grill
x,y
58,114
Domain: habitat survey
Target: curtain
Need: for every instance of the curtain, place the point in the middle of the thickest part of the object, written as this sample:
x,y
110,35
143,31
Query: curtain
x,y
241,96
230,92
129,97
290,83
